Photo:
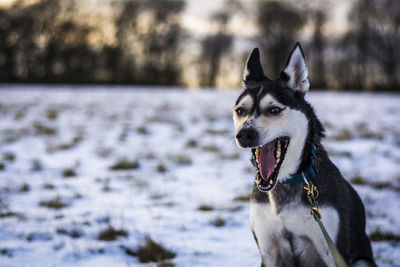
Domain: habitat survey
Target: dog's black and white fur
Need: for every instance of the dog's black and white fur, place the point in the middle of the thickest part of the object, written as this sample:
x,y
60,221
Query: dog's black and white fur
x,y
285,232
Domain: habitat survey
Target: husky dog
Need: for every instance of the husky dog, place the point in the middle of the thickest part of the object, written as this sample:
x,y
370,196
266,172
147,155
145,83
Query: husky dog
x,y
273,118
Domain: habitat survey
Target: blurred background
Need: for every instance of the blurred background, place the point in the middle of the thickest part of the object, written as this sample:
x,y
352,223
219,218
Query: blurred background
x,y
350,45
116,133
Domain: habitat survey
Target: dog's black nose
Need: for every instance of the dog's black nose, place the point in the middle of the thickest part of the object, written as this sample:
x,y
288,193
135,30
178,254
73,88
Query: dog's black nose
x,y
247,137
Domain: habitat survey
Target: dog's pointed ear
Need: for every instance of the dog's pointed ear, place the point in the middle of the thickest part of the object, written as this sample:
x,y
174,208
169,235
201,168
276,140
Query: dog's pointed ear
x,y
253,70
295,74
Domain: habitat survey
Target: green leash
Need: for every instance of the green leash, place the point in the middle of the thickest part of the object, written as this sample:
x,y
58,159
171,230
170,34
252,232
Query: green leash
x,y
311,189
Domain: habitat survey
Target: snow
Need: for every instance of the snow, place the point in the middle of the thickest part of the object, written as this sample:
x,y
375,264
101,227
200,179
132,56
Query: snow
x,y
190,134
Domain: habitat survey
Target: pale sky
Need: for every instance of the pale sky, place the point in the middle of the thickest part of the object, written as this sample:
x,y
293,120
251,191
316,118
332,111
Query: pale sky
x,y
196,17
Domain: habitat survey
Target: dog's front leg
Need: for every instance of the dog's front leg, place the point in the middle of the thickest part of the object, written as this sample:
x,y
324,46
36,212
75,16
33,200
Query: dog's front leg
x,y
278,254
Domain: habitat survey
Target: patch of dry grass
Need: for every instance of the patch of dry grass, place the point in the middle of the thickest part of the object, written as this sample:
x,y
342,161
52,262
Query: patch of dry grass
x,y
68,172
242,198
379,236
205,208
151,251
111,234
124,164
54,203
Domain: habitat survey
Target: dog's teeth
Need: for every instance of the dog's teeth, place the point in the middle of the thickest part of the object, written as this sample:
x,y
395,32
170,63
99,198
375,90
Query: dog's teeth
x,y
257,155
271,182
278,150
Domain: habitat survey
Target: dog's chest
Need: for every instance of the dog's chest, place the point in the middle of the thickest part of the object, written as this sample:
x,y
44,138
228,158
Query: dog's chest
x,y
292,232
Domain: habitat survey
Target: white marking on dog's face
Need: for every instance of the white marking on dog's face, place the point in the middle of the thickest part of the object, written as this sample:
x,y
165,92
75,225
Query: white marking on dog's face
x,y
268,227
268,101
246,103
247,118
289,122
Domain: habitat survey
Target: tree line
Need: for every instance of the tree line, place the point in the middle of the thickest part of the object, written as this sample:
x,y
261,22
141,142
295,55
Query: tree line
x,y
144,42
50,41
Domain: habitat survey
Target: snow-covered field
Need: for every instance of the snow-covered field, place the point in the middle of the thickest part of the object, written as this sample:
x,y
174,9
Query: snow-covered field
x,y
162,164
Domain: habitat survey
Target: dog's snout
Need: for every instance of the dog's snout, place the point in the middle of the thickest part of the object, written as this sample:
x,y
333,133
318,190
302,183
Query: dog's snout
x,y
247,133
247,137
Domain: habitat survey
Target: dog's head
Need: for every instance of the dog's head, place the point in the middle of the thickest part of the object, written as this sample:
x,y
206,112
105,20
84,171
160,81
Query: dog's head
x,y
270,117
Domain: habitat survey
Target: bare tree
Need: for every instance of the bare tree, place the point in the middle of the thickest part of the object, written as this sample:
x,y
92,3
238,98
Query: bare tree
x,y
50,41
161,43
385,41
21,57
279,24
119,58
215,46
317,48
40,45
370,54
356,43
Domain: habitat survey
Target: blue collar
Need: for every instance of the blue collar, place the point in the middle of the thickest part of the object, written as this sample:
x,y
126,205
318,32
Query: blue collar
x,y
309,173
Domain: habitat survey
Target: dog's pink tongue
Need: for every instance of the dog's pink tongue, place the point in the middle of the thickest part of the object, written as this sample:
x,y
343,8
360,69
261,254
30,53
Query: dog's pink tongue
x,y
267,160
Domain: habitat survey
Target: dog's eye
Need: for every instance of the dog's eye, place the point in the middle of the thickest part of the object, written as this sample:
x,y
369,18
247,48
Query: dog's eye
x,y
239,111
274,110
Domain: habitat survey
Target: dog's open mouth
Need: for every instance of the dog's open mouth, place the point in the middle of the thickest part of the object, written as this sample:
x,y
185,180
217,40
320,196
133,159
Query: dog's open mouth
x,y
268,160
